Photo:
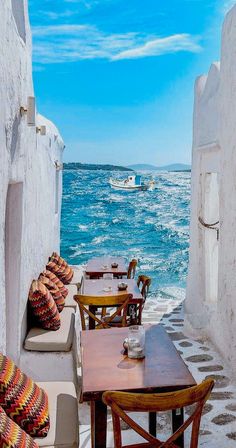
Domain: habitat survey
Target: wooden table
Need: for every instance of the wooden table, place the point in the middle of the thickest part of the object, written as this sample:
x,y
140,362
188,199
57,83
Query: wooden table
x,y
96,288
96,267
105,367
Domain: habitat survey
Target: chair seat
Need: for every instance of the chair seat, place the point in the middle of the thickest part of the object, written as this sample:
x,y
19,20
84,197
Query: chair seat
x,y
69,301
61,340
63,410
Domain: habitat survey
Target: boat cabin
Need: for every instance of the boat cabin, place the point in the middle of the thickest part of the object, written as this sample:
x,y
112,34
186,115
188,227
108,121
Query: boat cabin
x,y
134,179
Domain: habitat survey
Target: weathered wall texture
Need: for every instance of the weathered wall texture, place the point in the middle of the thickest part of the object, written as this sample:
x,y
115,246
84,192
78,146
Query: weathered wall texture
x,y
211,288
29,201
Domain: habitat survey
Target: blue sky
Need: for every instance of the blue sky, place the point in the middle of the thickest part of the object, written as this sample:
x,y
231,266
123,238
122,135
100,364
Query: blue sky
x,y
117,76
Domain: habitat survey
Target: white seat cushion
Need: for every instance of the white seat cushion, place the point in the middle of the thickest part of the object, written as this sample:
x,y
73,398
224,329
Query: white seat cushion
x,y
77,277
63,411
69,300
53,341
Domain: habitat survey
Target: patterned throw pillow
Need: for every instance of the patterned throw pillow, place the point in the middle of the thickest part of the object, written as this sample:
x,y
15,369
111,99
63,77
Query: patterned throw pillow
x,y
63,273
55,292
63,290
22,400
43,306
58,260
12,436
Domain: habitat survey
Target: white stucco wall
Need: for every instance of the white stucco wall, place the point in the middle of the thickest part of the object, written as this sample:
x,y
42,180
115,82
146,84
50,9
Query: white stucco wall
x,y
213,312
205,159
26,159
226,313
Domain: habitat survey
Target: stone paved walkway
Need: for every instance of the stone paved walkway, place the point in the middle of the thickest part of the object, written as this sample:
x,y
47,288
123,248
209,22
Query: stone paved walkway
x,y
218,427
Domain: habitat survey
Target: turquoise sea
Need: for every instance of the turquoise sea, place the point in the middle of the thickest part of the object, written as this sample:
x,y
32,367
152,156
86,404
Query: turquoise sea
x,y
152,226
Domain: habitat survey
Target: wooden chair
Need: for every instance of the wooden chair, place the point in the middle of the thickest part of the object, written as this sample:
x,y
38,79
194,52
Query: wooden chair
x,y
120,402
88,306
132,268
145,283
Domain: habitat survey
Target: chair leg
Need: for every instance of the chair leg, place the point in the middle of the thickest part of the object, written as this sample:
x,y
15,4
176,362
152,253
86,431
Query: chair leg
x,y
177,421
91,320
153,424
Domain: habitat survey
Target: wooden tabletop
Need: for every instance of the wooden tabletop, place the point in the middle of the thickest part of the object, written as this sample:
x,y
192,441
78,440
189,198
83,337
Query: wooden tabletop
x,y
102,265
105,367
98,288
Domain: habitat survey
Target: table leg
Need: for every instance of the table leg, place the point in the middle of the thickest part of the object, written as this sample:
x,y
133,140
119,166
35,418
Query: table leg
x,y
153,424
98,424
91,320
177,421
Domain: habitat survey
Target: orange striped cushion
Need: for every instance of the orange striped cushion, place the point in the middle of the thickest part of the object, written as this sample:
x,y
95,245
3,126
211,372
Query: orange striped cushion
x,y
22,400
55,292
63,290
43,306
58,260
65,274
12,436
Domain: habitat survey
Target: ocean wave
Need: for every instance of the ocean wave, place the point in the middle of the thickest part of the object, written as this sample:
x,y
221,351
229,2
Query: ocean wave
x,y
78,252
100,239
116,198
83,227
152,226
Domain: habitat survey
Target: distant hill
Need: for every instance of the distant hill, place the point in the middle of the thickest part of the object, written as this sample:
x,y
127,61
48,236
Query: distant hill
x,y
176,167
172,167
142,167
90,166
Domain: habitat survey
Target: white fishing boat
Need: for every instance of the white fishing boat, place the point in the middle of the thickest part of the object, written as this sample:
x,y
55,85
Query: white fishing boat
x,y
131,183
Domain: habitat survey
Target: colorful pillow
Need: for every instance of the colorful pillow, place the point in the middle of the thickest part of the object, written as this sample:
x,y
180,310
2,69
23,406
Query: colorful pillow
x,y
63,273
58,260
12,436
22,400
63,290
55,292
43,306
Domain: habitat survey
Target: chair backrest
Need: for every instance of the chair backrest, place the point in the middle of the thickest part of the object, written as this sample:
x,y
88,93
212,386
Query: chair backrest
x,y
120,402
145,283
89,303
132,268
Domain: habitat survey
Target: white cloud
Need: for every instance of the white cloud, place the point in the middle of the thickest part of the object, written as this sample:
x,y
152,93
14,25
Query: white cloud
x,y
70,43
60,30
58,15
159,46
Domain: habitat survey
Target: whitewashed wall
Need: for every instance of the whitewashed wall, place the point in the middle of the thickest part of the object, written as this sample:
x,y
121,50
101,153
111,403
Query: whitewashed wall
x,y
30,225
211,286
